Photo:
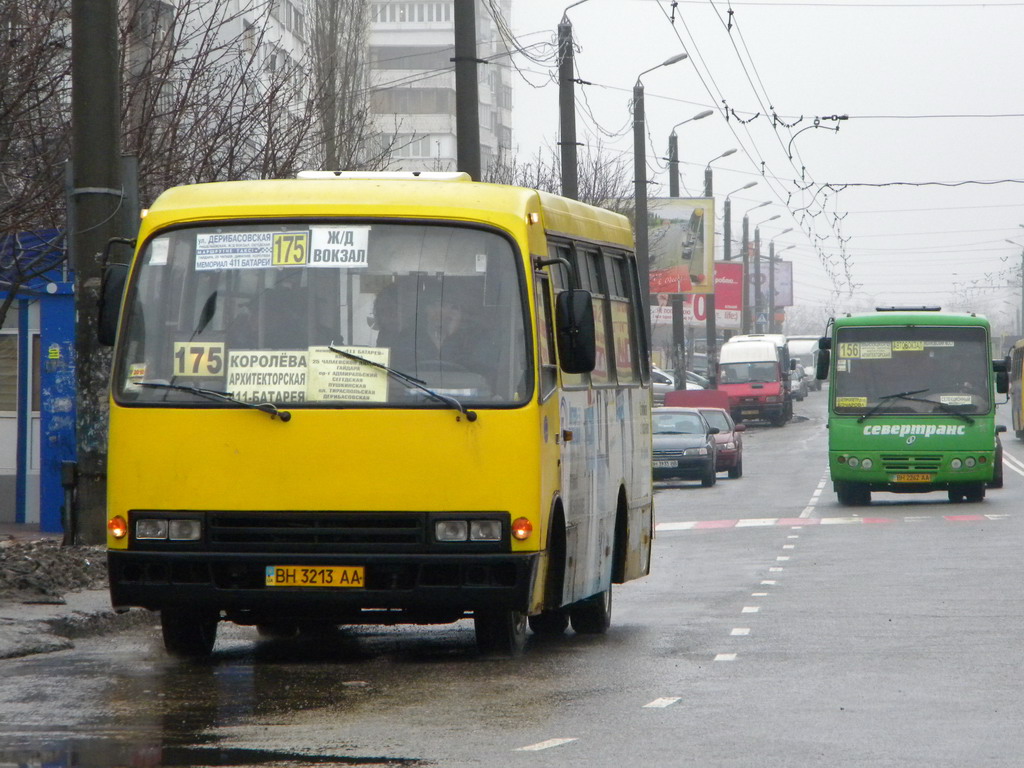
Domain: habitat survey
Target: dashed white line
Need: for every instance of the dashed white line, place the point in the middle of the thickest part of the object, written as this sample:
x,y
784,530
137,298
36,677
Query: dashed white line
x,y
769,582
759,594
789,546
750,609
545,745
740,631
725,657
782,558
665,701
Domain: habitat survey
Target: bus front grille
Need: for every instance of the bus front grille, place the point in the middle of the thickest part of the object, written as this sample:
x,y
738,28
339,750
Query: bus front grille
x,y
313,531
911,462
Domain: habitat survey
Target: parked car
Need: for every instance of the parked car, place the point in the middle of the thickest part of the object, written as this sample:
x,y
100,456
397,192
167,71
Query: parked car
x,y
684,446
662,381
729,441
798,382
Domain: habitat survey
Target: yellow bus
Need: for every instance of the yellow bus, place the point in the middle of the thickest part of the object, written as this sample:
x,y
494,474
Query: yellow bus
x,y
377,399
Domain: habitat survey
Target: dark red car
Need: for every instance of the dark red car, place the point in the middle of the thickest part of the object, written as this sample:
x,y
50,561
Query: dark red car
x,y
729,440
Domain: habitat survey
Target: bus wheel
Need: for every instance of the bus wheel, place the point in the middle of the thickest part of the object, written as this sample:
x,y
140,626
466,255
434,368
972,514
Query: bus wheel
x,y
500,633
592,616
975,493
550,623
188,633
852,495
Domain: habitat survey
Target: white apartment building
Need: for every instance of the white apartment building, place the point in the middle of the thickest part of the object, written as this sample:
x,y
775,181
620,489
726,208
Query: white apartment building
x,y
413,82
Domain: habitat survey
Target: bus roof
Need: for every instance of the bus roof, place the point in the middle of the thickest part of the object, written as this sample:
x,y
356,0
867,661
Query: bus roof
x,y
912,318
384,195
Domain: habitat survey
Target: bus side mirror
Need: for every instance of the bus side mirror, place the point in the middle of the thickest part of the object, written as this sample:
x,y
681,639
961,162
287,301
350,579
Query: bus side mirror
x,y
1001,366
825,342
792,364
1002,382
821,370
574,322
111,292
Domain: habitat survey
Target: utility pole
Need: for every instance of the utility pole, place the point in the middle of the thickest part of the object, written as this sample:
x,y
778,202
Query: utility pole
x,y
97,193
758,328
745,314
677,300
567,111
467,91
709,298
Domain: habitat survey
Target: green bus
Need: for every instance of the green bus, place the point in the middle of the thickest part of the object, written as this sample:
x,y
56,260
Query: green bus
x,y
911,405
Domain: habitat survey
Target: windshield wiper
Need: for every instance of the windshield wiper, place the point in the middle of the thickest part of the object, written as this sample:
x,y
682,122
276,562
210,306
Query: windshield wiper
x,y
909,395
944,408
213,394
448,400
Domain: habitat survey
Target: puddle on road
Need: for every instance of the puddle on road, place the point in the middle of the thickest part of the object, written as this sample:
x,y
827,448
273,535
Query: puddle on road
x,y
107,754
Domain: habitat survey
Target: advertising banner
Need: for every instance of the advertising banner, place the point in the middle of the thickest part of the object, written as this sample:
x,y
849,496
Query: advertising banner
x,y
681,244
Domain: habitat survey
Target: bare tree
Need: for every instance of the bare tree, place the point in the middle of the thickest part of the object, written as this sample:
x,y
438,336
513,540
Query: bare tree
x,y
339,87
605,179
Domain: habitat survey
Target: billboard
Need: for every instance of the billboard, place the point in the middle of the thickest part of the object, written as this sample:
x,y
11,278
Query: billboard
x,y
681,244
783,284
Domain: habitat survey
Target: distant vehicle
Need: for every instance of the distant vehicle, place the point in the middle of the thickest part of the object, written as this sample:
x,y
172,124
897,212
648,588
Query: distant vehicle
x,y
695,378
683,445
804,349
729,441
663,382
756,380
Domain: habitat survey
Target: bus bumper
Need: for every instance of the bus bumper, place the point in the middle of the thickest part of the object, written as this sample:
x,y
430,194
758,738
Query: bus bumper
x,y
424,588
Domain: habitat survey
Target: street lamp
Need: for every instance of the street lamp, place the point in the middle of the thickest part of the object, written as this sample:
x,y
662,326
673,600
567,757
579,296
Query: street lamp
x,y
758,325
746,266
673,152
727,221
707,170
640,187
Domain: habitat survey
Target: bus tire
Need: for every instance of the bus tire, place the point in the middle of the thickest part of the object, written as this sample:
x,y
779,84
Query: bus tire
x,y
852,494
277,631
975,493
500,633
550,623
997,468
593,615
188,633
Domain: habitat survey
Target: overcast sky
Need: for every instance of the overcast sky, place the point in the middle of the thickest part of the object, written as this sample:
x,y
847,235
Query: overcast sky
x,y
933,91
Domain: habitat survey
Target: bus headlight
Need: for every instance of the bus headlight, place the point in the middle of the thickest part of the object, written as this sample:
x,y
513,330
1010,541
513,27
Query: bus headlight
x,y
853,461
150,529
867,464
969,462
451,530
184,530
956,463
485,530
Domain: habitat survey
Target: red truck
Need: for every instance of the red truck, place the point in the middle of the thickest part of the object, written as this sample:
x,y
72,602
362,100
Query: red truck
x,y
755,376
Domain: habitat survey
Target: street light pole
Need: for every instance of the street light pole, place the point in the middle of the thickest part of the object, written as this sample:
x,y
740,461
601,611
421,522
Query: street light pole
x,y
745,325
640,188
673,153
567,107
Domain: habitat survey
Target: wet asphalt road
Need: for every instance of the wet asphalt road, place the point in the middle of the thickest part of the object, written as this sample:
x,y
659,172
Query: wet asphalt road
x,y
776,628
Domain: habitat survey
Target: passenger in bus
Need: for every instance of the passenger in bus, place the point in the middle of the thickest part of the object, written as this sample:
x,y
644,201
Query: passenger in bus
x,y
386,319
443,338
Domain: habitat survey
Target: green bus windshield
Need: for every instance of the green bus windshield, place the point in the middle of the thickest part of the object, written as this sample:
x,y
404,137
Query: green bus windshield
x,y
916,369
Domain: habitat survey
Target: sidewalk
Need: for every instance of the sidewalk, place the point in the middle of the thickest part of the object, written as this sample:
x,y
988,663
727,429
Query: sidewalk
x,y
52,624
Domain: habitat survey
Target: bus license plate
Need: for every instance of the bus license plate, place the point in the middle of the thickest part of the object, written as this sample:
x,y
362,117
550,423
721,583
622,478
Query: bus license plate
x,y
315,576
912,477
665,464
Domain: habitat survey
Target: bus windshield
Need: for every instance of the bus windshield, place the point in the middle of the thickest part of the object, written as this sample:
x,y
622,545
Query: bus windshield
x,y
252,310
918,369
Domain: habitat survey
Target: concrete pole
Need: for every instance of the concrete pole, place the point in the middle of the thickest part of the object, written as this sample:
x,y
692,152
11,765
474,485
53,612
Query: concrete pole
x,y
711,322
96,196
467,91
567,111
758,327
673,165
640,201
771,287
745,325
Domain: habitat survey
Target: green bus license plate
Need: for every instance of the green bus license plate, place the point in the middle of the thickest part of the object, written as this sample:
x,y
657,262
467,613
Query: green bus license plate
x,y
315,576
912,477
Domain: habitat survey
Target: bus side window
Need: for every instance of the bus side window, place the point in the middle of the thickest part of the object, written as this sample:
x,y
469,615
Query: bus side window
x,y
545,339
623,340
590,264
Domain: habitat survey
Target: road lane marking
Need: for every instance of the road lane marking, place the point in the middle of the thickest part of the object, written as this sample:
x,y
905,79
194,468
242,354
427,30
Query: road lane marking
x,y
725,657
774,522
750,609
769,582
740,631
1013,464
759,594
789,546
665,701
545,745
782,558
